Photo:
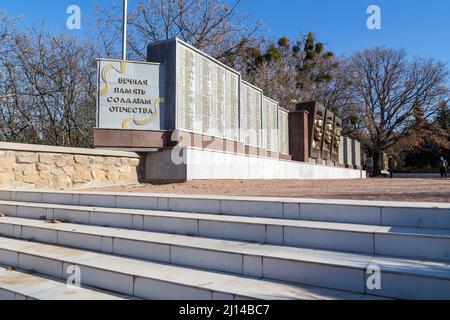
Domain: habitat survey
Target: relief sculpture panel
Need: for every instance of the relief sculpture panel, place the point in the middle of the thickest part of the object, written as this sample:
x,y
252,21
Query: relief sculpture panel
x,y
324,131
316,121
328,134
336,139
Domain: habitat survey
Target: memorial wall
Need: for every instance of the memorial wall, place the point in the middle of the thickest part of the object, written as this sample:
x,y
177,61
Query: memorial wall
x,y
211,99
193,117
207,95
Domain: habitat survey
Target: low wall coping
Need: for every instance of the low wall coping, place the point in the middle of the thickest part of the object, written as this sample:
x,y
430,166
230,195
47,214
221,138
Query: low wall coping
x,y
65,150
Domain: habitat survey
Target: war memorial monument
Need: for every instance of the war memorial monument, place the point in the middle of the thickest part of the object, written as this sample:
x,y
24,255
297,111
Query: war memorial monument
x,y
195,118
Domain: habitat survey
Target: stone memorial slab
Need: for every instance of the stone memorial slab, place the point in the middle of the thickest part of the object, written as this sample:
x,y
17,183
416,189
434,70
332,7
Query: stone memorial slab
x,y
130,95
348,158
186,97
250,115
283,131
204,109
218,100
270,124
356,153
232,106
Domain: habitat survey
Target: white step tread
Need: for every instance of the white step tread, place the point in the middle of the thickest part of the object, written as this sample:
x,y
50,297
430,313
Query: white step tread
x,y
215,284
224,246
332,258
37,287
335,226
45,195
422,215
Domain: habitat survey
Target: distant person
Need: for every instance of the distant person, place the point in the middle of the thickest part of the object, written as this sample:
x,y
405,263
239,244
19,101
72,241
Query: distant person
x,y
368,165
443,164
391,164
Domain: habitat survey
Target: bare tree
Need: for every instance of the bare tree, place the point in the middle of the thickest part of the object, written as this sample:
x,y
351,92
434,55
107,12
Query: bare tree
x,y
109,34
391,91
7,31
48,90
213,26
7,34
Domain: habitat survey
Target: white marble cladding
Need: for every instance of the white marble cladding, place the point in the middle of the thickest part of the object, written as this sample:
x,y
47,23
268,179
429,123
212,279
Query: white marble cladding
x,y
210,164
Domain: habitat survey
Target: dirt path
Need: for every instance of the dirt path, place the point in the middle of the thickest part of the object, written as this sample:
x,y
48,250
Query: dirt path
x,y
416,190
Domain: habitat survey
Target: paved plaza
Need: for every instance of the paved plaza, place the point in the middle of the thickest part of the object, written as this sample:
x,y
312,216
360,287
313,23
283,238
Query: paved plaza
x,y
429,189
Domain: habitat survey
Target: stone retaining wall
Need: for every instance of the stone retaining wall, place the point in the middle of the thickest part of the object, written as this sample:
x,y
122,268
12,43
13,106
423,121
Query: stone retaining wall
x,y
45,167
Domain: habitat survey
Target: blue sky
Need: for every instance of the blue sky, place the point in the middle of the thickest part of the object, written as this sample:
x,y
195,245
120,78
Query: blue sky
x,y
421,27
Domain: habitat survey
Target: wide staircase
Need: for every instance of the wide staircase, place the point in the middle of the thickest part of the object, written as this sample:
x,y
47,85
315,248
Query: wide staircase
x,y
149,246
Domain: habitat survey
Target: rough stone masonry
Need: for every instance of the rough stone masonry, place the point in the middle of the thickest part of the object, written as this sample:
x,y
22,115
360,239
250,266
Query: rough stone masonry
x,y
65,168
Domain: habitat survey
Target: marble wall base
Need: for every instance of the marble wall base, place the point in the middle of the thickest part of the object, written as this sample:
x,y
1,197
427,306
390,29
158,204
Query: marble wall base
x,y
187,163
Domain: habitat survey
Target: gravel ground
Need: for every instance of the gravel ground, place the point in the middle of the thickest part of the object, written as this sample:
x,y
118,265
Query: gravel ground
x,y
400,189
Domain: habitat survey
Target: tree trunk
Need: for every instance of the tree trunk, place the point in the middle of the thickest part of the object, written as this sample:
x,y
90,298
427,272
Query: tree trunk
x,y
376,163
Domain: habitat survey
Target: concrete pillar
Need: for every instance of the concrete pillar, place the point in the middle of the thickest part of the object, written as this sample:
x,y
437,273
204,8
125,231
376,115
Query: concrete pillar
x,y
299,135
348,151
353,153
341,151
167,165
358,153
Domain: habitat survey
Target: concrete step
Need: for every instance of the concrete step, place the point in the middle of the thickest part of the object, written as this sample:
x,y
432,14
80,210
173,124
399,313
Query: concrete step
x,y
333,270
21,285
171,242
403,214
415,243
150,280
